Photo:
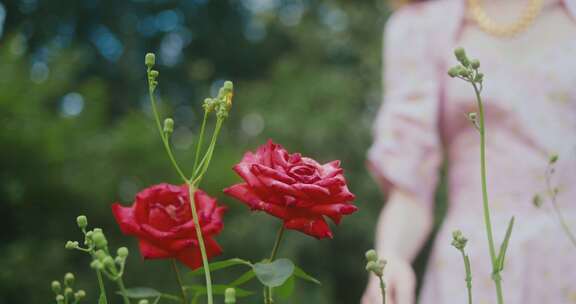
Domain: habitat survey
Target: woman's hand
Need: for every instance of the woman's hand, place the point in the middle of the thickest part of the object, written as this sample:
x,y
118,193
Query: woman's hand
x,y
400,284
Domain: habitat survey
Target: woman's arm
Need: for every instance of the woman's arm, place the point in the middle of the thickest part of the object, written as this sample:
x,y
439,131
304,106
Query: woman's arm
x,y
402,229
403,226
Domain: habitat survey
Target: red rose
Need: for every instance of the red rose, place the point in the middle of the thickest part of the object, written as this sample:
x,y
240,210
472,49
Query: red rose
x,y
161,219
296,189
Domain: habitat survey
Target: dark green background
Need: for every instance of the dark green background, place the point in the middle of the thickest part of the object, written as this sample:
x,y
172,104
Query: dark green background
x,y
77,135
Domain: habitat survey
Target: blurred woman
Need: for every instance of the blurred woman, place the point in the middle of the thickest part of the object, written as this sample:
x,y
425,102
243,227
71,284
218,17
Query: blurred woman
x,y
527,49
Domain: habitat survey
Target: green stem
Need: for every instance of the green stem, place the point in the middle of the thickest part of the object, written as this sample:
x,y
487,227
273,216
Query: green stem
x,y
268,295
561,219
201,244
200,141
101,285
208,156
179,280
120,283
468,275
383,289
277,242
486,207
163,136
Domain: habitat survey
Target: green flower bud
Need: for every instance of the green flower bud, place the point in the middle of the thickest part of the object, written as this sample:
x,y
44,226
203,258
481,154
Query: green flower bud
x,y
454,71
99,230
68,292
230,296
59,299
228,85
537,201
119,260
154,74
56,287
108,262
209,105
375,267
150,60
460,54
79,295
96,264
100,254
99,239
69,279
371,255
475,64
458,240
143,301
122,252
82,221
479,78
464,72
89,235
71,245
553,159
168,125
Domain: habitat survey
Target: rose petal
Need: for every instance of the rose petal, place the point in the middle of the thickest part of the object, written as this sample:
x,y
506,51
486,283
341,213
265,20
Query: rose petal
x,y
334,211
313,191
125,218
243,193
150,251
160,219
246,174
331,169
315,227
274,174
192,257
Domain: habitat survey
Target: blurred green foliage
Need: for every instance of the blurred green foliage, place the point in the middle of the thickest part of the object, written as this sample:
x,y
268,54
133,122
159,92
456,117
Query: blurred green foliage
x,y
76,132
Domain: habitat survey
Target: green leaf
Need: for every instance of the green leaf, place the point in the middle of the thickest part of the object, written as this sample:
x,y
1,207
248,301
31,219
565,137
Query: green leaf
x,y
245,277
141,293
286,289
299,273
218,290
102,299
274,274
504,246
221,265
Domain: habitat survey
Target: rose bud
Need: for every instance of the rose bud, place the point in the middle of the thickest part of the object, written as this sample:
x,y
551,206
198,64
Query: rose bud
x,y
161,219
296,189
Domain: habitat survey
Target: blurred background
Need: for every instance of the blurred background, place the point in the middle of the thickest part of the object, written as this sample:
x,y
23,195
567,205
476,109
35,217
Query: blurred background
x,y
76,132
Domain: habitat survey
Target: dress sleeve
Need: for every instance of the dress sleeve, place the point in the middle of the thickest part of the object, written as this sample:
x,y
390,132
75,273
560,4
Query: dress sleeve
x,y
406,152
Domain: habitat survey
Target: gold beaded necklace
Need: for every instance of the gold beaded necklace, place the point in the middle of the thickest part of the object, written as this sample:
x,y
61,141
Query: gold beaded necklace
x,y
491,27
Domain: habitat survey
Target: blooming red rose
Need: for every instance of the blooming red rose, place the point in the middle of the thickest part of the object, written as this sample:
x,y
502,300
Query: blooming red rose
x,y
161,219
296,189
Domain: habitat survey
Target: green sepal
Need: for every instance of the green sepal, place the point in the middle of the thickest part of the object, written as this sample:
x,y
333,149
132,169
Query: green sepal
x,y
504,246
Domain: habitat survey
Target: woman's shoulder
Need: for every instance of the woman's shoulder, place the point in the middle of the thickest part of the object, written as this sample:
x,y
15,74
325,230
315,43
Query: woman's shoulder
x,y
431,25
427,16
